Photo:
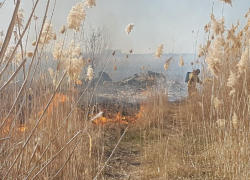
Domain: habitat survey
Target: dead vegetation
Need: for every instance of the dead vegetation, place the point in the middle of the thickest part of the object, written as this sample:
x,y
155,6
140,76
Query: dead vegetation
x,y
52,130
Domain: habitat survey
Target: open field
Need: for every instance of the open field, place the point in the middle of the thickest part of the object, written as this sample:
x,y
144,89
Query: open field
x,y
71,108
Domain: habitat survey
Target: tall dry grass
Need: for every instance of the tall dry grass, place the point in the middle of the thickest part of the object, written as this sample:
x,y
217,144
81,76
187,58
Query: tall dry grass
x,y
46,128
207,135
44,134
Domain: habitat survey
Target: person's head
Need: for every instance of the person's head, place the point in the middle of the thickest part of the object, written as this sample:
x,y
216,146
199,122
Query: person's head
x,y
197,71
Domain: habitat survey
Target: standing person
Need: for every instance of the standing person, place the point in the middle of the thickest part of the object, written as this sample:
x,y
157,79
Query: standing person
x,y
192,80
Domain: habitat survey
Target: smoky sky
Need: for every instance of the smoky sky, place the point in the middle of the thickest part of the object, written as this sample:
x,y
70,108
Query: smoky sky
x,y
178,24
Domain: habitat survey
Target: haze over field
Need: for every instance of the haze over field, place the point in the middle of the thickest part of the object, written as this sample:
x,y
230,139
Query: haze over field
x,y
177,24
99,89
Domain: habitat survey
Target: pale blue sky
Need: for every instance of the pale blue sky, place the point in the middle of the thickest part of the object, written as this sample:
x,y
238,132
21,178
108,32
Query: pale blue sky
x,y
170,22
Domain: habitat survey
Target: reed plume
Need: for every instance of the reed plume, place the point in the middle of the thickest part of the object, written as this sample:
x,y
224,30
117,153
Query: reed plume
x,y
247,14
167,63
58,53
9,52
232,80
207,27
76,51
74,67
217,102
53,76
227,1
181,63
218,25
76,16
159,51
51,72
71,59
29,54
47,33
215,57
90,3
20,18
19,58
243,64
90,73
62,30
129,28
33,43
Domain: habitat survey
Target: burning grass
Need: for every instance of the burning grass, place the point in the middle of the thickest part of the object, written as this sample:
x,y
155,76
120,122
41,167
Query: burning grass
x,y
115,118
120,117
45,133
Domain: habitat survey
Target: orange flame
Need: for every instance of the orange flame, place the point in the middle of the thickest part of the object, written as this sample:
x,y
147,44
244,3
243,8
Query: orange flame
x,y
118,118
6,130
79,82
58,98
141,111
22,128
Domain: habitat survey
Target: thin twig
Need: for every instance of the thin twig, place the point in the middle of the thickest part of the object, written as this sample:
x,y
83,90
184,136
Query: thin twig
x,y
67,160
3,139
25,81
57,154
13,75
9,32
19,42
